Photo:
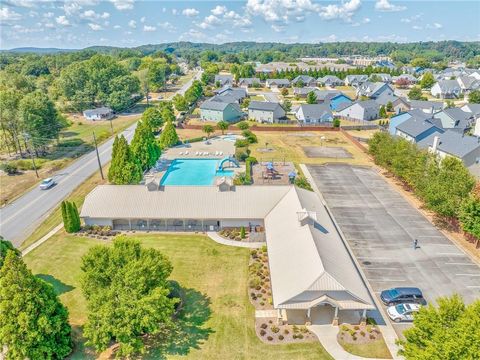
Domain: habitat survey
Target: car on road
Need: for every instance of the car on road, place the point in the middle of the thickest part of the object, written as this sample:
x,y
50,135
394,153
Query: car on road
x,y
402,295
47,183
402,312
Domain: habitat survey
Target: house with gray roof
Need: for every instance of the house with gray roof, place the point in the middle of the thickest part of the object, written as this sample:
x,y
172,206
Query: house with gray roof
x,y
355,80
386,78
101,113
304,80
468,83
276,84
310,265
407,115
360,110
223,79
455,118
446,89
221,108
330,80
302,92
248,82
236,93
452,143
313,114
416,129
429,107
472,108
266,112
373,90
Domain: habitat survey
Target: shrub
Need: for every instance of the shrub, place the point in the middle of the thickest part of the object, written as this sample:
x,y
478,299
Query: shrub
x,y
362,333
269,338
262,332
280,337
243,125
369,328
250,136
299,336
304,329
336,123
302,182
262,303
264,326
295,328
275,329
344,327
356,327
241,143
9,168
254,282
372,337
286,332
242,232
354,338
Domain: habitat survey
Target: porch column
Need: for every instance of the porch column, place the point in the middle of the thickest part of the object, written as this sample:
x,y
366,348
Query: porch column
x,y
363,321
203,227
148,224
184,225
130,223
309,320
335,318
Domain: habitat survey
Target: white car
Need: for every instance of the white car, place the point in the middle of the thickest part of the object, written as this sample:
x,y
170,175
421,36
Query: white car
x,y
47,184
402,312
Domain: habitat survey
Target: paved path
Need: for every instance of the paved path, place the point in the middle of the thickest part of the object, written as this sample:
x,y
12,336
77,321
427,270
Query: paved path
x,y
42,240
21,217
266,313
217,238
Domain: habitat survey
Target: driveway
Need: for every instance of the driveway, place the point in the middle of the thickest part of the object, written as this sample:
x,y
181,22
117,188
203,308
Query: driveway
x,y
380,226
270,96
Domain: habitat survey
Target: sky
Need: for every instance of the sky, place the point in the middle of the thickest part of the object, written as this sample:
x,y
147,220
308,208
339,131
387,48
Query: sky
x,y
127,23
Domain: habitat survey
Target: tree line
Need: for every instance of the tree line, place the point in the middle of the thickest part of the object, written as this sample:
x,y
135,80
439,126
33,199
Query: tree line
x,y
445,185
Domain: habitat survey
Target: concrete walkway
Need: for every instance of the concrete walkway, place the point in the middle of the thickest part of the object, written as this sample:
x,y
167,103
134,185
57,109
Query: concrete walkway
x,y
266,313
217,238
42,240
327,335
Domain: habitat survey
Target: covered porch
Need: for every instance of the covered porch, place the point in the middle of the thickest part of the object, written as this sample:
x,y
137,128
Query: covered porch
x,y
322,314
166,224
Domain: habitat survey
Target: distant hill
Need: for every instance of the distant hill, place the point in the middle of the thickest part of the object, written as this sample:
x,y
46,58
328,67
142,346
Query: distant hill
x,y
37,50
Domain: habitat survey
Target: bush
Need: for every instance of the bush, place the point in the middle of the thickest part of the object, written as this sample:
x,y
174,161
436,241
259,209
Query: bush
x,y
250,136
269,338
336,123
254,282
275,329
239,143
299,336
286,332
303,183
9,168
280,337
356,327
362,333
243,125
372,337
264,326
262,332
242,232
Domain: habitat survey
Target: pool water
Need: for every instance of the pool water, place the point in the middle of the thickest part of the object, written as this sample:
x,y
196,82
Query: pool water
x,y
193,172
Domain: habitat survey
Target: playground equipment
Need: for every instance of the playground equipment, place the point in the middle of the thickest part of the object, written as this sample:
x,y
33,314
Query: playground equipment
x,y
231,160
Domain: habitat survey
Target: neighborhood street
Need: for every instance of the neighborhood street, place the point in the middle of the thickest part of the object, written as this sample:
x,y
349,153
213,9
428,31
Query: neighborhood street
x,y
19,219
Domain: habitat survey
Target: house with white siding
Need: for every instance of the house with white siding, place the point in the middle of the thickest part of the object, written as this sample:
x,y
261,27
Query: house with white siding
x,y
266,112
360,110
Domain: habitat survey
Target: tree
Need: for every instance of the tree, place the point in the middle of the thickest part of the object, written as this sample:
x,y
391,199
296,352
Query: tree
x,y
66,217
153,117
169,136
287,105
70,216
5,247
336,122
243,125
382,113
474,97
469,215
180,103
34,322
144,147
128,294
311,98
448,331
427,80
389,106
223,125
284,91
416,94
208,129
124,168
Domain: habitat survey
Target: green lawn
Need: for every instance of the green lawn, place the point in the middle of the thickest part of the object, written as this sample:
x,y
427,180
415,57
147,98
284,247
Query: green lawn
x,y
218,322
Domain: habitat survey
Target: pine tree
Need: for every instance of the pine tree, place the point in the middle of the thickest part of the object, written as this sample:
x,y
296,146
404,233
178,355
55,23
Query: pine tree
x,y
124,168
65,217
169,136
311,98
144,147
34,323
73,217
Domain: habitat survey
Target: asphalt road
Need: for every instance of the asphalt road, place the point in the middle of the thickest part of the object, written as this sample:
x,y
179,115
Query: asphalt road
x,y
380,226
19,219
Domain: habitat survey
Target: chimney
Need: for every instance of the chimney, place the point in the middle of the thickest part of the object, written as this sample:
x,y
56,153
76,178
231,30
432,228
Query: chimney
x,y
436,141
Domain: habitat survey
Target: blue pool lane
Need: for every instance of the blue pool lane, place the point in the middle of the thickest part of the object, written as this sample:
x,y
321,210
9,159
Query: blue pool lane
x,y
193,172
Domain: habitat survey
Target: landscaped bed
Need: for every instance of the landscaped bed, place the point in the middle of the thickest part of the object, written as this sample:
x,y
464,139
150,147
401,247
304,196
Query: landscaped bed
x,y
272,333
363,340
259,290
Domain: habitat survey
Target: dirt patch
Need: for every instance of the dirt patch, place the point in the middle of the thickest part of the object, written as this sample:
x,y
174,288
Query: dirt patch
x,y
270,332
326,152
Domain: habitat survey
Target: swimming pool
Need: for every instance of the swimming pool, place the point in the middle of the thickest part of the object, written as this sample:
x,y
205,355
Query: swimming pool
x,y
193,172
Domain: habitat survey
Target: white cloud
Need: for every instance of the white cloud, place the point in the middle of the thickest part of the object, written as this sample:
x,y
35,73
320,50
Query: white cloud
x,y
71,8
174,11
385,5
209,22
62,20
148,28
132,24
92,15
116,27
417,27
143,19
6,14
412,18
123,4
49,25
278,28
95,27
219,10
167,26
343,11
434,26
48,15
193,34
190,12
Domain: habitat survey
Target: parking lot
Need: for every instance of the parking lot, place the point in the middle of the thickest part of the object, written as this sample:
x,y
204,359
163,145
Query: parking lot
x,y
380,226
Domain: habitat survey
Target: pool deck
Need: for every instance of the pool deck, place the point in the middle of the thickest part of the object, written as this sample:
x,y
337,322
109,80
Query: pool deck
x,y
217,148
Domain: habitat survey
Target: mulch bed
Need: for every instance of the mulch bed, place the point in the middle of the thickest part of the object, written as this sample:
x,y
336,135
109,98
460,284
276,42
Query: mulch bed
x,y
259,290
270,333
357,334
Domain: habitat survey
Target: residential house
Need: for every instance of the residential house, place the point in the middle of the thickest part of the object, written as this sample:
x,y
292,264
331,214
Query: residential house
x,y
355,80
324,96
101,113
468,83
406,79
236,93
248,82
386,97
223,79
309,114
221,108
360,110
275,84
266,112
446,89
472,108
404,116
304,80
340,101
386,78
428,107
330,80
452,143
400,105
455,118
373,90
416,129
302,92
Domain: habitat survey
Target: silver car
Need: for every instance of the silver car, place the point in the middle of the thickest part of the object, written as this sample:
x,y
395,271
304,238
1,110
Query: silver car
x,y
47,183
402,312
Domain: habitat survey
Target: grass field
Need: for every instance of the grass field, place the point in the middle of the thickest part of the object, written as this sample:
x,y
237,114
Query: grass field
x,y
219,320
288,146
377,349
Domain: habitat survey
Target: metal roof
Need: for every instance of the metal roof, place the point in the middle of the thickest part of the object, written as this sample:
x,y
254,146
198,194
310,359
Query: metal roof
x,y
263,105
454,143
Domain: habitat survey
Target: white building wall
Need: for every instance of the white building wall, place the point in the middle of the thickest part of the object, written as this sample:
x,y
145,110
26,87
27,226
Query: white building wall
x,y
100,222
476,130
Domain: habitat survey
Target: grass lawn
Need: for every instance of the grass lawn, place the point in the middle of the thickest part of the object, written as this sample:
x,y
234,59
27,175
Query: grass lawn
x,y
218,322
377,349
288,146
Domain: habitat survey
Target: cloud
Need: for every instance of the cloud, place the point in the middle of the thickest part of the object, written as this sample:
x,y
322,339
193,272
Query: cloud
x,y
92,15
278,28
209,22
123,4
95,27
343,11
148,28
71,8
132,24
193,34
143,19
385,5
62,20
219,10
190,12
174,11
49,25
167,26
48,15
116,27
364,21
6,14
434,26
417,27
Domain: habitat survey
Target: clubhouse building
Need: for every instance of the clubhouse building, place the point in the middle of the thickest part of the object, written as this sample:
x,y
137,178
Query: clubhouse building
x,y
310,265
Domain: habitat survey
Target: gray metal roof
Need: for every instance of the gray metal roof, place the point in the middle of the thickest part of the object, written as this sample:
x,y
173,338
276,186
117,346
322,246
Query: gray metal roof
x,y
424,104
263,105
304,78
416,126
454,143
249,81
98,111
219,103
314,111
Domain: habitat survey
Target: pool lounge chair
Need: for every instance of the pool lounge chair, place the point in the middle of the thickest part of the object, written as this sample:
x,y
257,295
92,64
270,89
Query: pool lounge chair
x,y
197,153
180,153
186,152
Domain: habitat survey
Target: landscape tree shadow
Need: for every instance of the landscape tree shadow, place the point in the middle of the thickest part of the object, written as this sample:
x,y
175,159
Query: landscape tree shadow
x,y
59,287
187,332
67,134
80,351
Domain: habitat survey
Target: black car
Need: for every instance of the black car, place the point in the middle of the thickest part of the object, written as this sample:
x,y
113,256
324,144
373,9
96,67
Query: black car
x,y
402,295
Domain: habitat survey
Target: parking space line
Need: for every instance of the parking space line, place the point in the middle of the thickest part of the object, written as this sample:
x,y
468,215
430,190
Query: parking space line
x,y
467,274
383,280
473,286
453,254
461,264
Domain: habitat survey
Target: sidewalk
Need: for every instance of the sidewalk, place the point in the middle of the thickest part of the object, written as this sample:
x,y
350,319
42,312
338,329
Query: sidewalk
x,y
217,238
42,240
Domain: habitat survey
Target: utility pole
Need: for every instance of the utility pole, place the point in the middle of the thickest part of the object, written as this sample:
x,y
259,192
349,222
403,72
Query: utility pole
x,y
98,156
33,163
32,156
111,126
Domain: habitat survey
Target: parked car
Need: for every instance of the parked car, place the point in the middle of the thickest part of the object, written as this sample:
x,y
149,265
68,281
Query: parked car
x,y
402,295
47,184
402,312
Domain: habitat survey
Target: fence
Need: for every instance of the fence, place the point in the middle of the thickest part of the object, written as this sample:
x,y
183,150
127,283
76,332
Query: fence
x,y
271,128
